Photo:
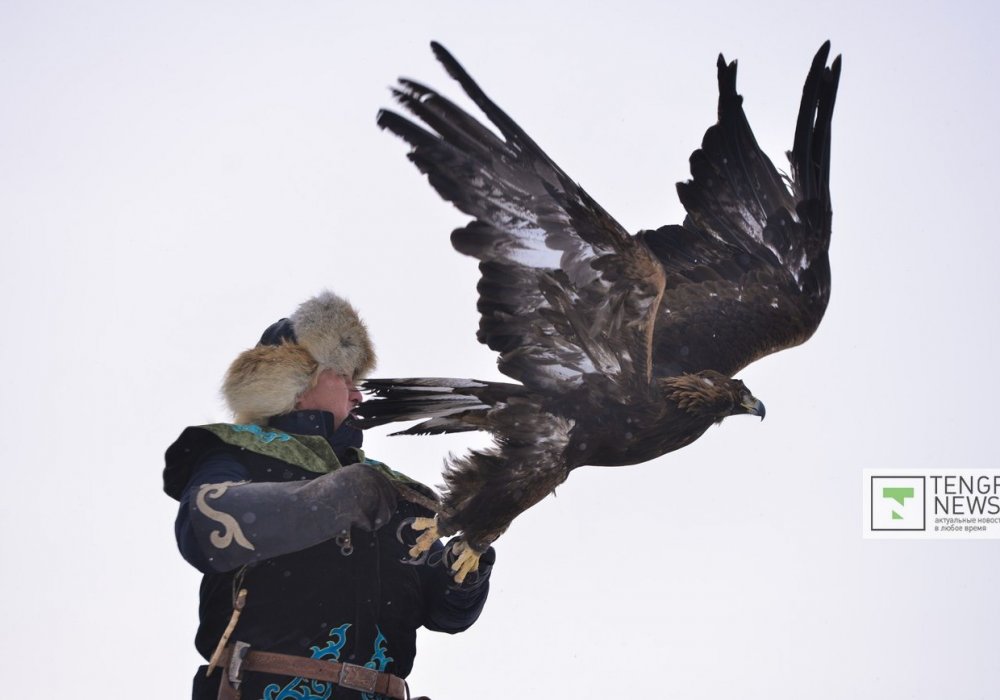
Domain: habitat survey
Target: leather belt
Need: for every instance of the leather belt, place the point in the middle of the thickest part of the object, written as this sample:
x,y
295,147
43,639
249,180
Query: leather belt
x,y
238,658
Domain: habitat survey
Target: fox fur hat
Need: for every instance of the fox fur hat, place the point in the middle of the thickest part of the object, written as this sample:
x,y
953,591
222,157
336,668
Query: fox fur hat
x,y
325,332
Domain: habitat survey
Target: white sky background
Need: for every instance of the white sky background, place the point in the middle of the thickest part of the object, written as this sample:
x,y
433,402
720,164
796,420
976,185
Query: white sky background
x,y
176,176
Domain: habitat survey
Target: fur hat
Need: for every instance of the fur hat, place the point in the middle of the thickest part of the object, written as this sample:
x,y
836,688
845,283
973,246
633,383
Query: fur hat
x,y
325,332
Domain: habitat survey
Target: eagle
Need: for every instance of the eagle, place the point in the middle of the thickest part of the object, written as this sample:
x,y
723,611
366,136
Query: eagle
x,y
622,347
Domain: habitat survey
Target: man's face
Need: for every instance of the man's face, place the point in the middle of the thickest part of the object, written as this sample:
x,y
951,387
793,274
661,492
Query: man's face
x,y
334,393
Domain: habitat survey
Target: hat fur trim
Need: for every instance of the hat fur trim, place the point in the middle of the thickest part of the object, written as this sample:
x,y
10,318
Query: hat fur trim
x,y
331,330
268,380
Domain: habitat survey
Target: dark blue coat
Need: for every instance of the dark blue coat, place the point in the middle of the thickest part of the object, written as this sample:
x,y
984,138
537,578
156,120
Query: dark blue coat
x,y
360,604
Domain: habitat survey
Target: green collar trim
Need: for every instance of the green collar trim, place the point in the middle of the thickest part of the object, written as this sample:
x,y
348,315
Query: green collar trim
x,y
310,452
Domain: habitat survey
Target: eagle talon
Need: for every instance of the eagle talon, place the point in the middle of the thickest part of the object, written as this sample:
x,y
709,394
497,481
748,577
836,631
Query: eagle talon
x,y
466,560
427,537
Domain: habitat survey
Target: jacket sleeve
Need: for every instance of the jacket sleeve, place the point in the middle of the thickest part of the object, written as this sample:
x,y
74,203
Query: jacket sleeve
x,y
452,607
225,521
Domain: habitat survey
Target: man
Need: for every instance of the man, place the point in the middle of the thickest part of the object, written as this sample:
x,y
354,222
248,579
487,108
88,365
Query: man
x,y
308,589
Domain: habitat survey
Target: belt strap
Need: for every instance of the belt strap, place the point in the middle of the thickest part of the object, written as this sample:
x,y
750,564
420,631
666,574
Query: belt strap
x,y
352,676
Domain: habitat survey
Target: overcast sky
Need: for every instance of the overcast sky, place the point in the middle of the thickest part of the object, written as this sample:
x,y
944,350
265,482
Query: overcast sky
x,y
176,176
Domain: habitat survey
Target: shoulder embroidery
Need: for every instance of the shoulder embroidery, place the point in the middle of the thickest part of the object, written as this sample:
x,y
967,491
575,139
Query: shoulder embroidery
x,y
310,452
265,436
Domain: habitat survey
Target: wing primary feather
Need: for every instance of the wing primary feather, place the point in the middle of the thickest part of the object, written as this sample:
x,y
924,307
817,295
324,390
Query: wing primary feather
x,y
508,127
402,127
734,128
448,119
811,156
804,143
521,143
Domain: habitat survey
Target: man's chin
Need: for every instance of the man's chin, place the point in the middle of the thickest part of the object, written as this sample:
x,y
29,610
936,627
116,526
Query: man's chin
x,y
351,421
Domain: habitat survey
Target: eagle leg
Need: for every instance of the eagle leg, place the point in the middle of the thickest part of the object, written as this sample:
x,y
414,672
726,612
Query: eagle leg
x,y
466,560
428,537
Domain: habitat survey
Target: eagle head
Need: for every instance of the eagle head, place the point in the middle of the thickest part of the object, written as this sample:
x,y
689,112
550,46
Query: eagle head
x,y
711,394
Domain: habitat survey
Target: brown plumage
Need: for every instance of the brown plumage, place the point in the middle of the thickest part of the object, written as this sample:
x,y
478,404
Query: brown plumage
x,y
624,346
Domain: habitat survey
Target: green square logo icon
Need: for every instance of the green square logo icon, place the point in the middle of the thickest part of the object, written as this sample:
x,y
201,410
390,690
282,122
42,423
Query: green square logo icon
x,y
898,503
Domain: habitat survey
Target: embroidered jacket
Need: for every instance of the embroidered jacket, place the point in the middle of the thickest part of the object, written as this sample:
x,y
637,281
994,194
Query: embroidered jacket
x,y
344,594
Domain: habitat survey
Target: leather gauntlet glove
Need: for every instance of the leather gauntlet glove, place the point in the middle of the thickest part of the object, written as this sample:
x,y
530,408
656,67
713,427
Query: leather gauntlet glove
x,y
241,523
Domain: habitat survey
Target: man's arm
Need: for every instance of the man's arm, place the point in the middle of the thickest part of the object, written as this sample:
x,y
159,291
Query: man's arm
x,y
225,521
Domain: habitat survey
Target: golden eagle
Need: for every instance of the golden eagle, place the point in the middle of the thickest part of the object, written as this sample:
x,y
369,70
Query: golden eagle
x,y
624,346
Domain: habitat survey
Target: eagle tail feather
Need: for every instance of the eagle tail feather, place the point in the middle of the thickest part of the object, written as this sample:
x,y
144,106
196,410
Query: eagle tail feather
x,y
444,405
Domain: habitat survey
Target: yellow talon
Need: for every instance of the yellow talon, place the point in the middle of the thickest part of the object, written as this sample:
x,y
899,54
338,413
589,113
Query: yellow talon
x,y
466,562
427,538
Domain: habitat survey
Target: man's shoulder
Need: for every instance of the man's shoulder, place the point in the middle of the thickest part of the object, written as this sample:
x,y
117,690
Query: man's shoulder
x,y
195,440
193,445
248,444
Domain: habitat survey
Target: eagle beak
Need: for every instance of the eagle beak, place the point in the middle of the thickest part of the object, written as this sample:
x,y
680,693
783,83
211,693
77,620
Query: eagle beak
x,y
755,407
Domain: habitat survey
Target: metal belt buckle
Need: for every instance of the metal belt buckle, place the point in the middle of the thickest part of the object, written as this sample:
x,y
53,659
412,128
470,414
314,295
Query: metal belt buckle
x,y
235,669
358,678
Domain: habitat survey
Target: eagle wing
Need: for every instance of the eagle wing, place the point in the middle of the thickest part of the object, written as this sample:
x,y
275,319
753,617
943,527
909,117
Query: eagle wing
x,y
748,273
567,297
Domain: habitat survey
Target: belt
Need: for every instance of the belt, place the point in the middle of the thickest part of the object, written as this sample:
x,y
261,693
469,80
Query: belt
x,y
238,658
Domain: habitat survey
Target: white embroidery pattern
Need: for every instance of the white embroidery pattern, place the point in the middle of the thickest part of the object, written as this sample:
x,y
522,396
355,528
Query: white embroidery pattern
x,y
221,539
